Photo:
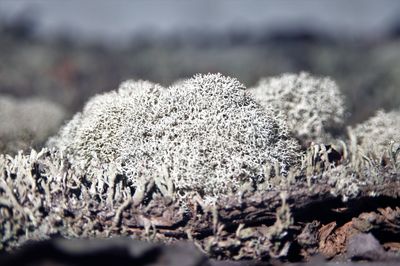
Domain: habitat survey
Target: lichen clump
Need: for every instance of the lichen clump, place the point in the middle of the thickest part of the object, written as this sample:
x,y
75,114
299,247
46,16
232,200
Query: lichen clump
x,y
205,135
27,123
314,107
378,133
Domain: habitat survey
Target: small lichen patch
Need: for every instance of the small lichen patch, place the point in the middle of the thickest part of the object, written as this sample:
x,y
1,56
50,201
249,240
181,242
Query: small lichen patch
x,y
313,106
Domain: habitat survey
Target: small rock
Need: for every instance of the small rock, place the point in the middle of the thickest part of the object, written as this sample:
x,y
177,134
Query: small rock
x,y
364,247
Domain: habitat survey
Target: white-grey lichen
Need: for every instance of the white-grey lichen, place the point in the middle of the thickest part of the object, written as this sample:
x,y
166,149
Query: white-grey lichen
x,y
97,133
205,135
378,133
344,181
313,106
27,123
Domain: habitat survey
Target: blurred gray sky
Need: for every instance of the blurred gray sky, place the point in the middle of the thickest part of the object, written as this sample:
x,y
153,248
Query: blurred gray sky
x,y
119,19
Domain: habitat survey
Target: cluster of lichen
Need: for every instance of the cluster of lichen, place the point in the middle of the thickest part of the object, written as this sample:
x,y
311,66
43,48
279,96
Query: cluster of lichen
x,y
27,123
41,196
379,135
313,107
205,136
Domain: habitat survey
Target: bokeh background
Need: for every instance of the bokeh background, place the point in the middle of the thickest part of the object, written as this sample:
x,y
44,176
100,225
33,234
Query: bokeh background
x,y
67,51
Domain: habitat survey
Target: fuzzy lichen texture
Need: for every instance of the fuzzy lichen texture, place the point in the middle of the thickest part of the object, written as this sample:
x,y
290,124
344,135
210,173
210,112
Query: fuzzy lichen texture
x,y
96,134
206,135
26,123
375,135
314,106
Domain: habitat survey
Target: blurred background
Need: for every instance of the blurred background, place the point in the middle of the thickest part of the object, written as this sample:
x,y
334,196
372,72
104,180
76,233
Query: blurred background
x,y
67,51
